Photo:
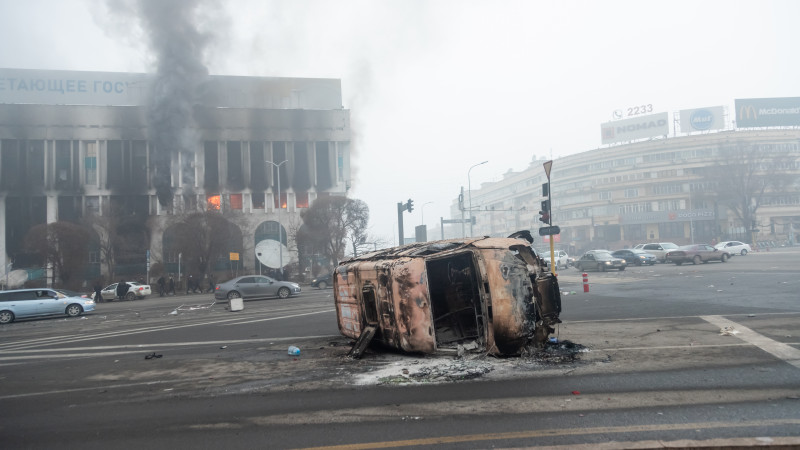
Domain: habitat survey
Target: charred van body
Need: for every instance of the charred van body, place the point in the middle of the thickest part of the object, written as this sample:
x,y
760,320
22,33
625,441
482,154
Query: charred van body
x,y
492,295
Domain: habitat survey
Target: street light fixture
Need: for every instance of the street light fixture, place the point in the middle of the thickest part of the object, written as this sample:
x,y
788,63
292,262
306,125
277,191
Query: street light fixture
x,y
280,226
422,213
469,187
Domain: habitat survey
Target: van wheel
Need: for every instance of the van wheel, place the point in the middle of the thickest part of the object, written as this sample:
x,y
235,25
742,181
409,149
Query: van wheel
x,y
6,317
74,310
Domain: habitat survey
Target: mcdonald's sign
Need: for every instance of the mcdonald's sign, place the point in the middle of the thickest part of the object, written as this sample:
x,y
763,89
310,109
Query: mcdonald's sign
x,y
767,112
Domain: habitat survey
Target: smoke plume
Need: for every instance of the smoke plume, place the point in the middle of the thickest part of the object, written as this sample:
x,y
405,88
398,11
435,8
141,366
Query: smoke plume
x,y
177,44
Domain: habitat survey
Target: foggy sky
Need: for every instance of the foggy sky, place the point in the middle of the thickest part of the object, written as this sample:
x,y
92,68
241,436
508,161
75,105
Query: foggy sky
x,y
437,86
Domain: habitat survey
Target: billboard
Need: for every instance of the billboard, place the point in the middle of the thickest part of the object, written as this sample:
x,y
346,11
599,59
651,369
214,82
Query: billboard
x,y
702,119
767,112
640,127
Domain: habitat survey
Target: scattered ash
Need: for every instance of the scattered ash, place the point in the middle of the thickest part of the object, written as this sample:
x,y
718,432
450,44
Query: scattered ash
x,y
554,353
456,371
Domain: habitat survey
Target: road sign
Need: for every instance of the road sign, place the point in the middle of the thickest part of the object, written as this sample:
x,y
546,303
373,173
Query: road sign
x,y
548,231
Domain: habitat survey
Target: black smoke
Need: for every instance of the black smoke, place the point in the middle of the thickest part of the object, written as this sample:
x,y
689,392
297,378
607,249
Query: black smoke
x,y
177,43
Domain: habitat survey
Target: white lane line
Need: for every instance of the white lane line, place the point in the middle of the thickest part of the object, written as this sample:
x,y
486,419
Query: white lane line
x,y
778,349
111,350
236,321
282,317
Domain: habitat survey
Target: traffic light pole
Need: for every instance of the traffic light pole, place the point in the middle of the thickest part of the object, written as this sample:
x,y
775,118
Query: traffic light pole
x,y
408,206
550,218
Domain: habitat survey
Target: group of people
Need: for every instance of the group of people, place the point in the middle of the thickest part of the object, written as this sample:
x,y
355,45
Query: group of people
x,y
168,287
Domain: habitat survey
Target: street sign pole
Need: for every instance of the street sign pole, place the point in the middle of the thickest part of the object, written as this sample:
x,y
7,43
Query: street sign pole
x,y
547,166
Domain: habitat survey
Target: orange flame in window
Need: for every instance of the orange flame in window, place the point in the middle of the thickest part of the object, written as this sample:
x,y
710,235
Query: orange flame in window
x,y
213,202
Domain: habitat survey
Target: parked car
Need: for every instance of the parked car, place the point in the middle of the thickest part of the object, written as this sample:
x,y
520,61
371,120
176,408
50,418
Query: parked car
x,y
600,260
70,293
562,259
658,249
734,247
635,256
135,290
322,281
22,303
696,253
255,286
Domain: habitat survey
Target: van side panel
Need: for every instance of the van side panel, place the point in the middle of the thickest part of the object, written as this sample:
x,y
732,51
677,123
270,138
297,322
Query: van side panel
x,y
401,297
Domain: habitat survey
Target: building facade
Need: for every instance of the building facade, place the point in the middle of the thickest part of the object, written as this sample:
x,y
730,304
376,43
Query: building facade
x,y
648,191
259,150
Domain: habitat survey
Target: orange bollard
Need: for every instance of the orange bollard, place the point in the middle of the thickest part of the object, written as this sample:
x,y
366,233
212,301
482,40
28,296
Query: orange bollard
x,y
585,282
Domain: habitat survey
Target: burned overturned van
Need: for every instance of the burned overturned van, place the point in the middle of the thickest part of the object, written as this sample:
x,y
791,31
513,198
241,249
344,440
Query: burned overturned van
x,y
492,295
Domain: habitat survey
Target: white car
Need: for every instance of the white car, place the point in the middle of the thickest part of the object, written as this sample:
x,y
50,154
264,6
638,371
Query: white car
x,y
658,249
135,290
560,256
734,247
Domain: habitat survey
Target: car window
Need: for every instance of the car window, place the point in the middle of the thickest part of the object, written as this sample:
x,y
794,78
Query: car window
x,y
262,280
247,280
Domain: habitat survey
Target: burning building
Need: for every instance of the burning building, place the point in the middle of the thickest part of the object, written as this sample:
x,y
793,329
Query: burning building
x,y
75,144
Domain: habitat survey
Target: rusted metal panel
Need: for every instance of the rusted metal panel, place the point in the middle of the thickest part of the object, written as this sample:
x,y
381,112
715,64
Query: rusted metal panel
x,y
423,297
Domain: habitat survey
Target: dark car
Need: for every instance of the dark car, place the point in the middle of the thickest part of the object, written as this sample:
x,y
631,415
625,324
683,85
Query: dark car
x,y
600,260
322,281
255,286
696,253
635,256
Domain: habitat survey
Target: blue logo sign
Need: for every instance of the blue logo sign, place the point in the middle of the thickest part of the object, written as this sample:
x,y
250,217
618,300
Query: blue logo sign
x,y
701,119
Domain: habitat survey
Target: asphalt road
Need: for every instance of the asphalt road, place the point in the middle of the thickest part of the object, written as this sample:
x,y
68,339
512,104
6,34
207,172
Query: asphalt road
x,y
650,365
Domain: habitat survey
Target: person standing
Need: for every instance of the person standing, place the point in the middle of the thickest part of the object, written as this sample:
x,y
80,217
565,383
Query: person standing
x,y
98,292
162,286
189,284
171,285
122,289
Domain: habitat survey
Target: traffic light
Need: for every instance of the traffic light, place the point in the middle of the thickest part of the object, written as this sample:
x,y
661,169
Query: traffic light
x,y
410,205
545,216
545,189
546,206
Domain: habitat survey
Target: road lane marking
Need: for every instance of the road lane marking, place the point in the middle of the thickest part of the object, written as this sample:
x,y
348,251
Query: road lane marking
x,y
561,432
778,349
22,345
139,348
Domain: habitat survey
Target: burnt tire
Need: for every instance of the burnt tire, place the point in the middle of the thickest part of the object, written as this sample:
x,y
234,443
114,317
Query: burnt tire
x,y
73,310
234,294
696,260
6,317
283,292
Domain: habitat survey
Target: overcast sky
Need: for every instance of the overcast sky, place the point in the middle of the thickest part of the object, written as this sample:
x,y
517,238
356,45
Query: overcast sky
x,y
435,87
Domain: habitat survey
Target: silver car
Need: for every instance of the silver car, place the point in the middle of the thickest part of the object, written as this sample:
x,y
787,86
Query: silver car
x,y
22,303
255,286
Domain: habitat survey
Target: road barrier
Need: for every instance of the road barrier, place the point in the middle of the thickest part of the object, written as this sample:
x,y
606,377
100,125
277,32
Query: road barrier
x,y
585,282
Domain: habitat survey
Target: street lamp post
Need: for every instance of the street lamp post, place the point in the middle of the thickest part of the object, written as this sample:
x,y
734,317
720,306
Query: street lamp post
x,y
469,187
422,213
280,227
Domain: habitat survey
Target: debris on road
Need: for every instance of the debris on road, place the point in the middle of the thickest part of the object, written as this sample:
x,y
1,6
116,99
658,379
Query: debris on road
x,y
153,355
728,331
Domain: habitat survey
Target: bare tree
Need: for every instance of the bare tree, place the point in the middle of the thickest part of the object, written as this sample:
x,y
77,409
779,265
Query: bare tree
x,y
746,173
205,237
332,221
63,246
